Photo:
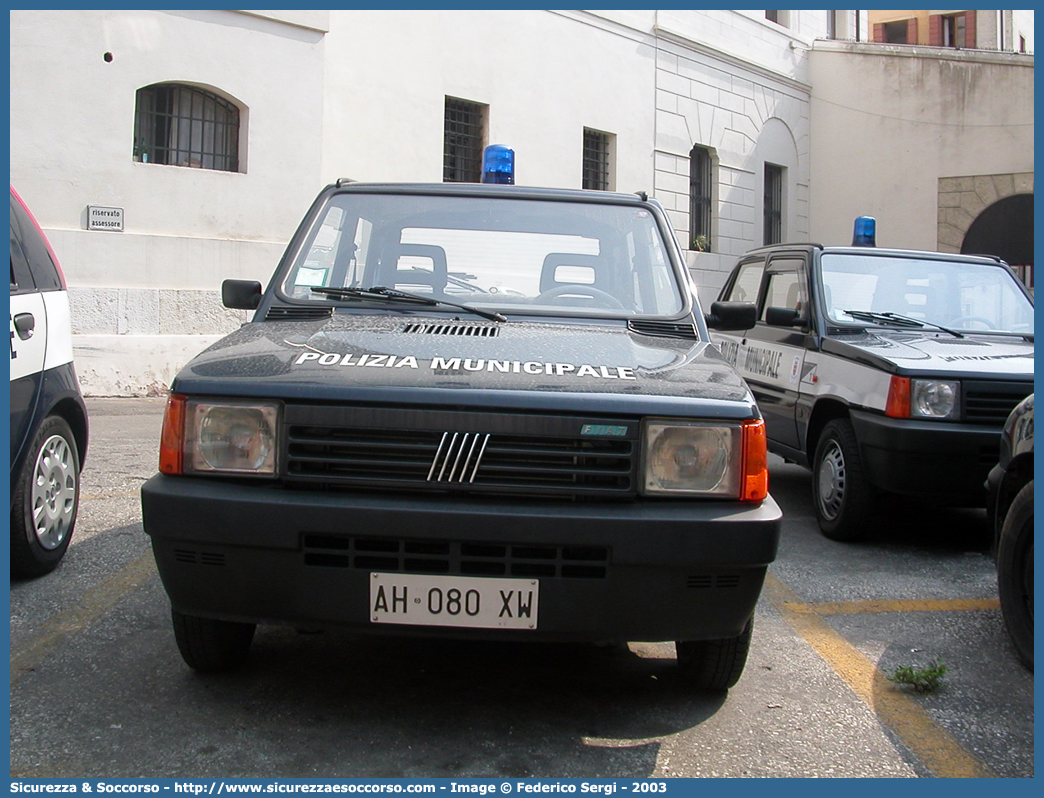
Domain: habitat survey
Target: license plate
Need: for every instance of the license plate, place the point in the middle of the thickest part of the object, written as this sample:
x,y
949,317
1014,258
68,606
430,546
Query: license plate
x,y
480,602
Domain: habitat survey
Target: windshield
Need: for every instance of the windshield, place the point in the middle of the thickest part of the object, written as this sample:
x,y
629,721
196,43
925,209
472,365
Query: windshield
x,y
513,255
964,296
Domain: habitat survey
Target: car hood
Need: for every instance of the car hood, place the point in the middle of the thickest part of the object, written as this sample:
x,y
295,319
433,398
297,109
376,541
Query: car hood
x,y
989,356
549,364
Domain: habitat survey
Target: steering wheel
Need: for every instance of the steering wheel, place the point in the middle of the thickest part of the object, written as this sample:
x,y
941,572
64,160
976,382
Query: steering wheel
x,y
964,319
597,294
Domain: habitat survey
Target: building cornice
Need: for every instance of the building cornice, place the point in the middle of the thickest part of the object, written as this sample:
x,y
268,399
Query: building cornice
x,y
739,63
309,20
924,51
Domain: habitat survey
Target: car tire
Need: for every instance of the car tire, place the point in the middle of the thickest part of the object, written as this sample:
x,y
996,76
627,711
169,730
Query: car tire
x,y
210,646
714,664
46,500
1015,573
840,492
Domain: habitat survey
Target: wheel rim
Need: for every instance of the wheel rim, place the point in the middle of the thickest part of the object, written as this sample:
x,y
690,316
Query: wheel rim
x,y
54,492
831,479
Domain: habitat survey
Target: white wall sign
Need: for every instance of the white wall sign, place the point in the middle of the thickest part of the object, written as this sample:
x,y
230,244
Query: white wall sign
x,y
100,218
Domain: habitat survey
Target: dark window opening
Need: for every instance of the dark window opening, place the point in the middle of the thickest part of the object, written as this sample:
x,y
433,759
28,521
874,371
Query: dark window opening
x,y
896,32
953,30
596,160
700,199
773,204
181,125
464,135
1005,230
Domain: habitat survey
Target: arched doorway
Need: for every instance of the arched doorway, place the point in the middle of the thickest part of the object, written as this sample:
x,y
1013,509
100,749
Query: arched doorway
x,y
1005,229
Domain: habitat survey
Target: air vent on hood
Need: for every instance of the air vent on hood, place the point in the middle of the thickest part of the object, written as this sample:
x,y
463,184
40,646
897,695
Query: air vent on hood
x,y
665,329
469,330
297,312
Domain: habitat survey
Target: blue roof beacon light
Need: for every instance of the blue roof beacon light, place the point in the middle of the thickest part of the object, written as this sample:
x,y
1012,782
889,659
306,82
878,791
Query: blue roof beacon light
x,y
865,234
498,164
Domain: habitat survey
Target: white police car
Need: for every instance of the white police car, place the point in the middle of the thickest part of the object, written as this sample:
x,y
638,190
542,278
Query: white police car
x,y
48,416
470,411
884,371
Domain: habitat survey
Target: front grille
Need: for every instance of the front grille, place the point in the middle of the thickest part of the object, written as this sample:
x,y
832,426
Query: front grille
x,y
455,558
991,402
339,448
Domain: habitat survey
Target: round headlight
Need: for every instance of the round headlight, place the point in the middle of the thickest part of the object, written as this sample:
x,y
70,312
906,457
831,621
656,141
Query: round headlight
x,y
933,398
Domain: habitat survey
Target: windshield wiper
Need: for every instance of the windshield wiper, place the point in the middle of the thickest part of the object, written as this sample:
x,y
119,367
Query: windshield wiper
x,y
870,315
924,323
898,318
381,292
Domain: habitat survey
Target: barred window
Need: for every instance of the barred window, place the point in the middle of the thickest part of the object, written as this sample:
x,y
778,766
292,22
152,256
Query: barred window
x,y
773,204
182,125
464,135
700,186
596,160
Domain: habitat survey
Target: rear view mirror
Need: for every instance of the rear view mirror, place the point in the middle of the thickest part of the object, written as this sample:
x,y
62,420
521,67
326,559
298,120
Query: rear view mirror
x,y
241,294
784,317
726,316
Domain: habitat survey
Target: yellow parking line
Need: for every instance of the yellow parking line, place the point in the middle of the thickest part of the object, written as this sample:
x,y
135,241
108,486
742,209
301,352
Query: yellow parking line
x,y
906,605
96,602
936,748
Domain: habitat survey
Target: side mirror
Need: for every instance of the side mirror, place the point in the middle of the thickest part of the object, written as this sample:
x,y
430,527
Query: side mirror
x,y
726,316
784,317
241,294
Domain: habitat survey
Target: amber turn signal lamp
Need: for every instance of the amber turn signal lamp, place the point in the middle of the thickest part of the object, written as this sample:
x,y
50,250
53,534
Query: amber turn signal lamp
x,y
173,435
898,404
754,487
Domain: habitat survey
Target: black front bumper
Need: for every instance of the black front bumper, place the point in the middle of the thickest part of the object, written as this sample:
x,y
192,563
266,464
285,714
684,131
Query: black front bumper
x,y
669,570
924,458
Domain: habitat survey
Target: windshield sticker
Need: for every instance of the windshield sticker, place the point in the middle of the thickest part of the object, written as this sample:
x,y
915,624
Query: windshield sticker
x,y
457,365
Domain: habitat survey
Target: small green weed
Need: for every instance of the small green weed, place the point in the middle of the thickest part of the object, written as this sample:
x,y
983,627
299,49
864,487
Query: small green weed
x,y
923,680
